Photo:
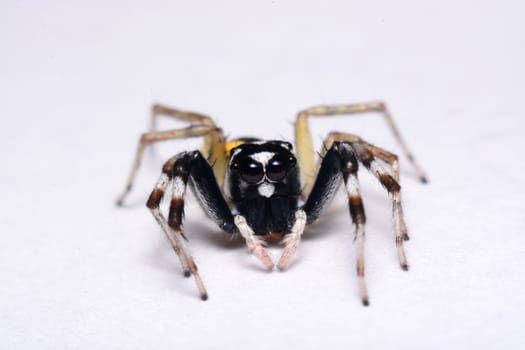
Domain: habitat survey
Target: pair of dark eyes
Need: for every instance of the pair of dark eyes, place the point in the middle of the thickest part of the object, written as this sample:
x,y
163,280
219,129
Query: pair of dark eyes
x,y
252,171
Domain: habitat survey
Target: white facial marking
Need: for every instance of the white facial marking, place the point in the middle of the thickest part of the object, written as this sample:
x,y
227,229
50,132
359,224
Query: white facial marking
x,y
235,152
262,157
266,190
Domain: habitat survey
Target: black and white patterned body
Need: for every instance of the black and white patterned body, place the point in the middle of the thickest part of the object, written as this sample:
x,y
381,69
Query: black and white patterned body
x,y
263,183
263,190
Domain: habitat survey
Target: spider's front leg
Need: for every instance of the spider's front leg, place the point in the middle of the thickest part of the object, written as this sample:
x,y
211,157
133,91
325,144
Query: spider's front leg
x,y
368,155
189,166
340,164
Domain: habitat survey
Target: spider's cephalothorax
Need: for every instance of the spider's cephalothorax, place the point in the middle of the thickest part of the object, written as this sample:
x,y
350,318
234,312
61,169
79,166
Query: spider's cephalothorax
x,y
263,184
261,189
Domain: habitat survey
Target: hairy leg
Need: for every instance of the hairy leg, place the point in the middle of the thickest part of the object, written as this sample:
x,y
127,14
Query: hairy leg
x,y
338,165
192,131
304,142
184,167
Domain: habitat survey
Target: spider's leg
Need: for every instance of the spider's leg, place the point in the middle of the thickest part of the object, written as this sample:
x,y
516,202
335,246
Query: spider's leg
x,y
160,110
212,148
366,154
178,171
304,142
206,188
153,203
292,239
392,160
357,212
217,152
372,165
340,164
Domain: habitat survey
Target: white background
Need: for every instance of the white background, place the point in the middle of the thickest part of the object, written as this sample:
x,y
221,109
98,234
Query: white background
x,y
76,84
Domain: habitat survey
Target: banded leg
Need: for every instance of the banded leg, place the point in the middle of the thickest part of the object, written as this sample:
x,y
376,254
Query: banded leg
x,y
173,231
357,212
392,160
366,153
304,142
191,131
340,164
366,156
188,166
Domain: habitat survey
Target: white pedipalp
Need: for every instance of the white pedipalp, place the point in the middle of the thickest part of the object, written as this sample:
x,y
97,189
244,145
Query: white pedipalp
x,y
292,239
254,243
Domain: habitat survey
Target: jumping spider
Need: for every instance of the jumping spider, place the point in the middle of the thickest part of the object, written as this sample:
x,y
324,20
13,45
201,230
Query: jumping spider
x,y
263,190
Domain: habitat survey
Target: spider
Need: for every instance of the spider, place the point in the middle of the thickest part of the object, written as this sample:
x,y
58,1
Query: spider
x,y
264,190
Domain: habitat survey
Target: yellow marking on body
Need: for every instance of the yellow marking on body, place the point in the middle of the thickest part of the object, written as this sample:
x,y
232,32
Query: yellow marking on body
x,y
231,145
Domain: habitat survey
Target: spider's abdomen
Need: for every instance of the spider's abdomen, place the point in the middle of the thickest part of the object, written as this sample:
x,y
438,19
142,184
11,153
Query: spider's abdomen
x,y
269,215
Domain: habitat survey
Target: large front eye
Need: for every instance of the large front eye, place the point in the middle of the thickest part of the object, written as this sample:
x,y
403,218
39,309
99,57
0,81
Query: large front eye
x,y
278,167
251,171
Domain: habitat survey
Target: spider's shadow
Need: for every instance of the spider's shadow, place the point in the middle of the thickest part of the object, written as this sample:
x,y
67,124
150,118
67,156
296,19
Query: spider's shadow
x,y
200,234
377,208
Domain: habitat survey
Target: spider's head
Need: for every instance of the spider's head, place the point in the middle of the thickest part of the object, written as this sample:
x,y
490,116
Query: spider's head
x,y
263,169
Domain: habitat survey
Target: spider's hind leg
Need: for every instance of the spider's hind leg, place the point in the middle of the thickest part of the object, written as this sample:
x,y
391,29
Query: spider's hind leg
x,y
210,141
339,165
213,148
368,155
304,144
158,110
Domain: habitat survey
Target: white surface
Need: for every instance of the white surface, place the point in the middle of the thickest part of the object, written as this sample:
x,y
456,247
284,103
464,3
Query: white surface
x,y
76,83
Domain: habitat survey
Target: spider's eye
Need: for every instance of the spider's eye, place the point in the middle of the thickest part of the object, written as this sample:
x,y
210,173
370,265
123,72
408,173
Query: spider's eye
x,y
251,171
278,167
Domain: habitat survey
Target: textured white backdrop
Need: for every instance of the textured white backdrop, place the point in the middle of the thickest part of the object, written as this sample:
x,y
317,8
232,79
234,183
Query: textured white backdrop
x,y
76,83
